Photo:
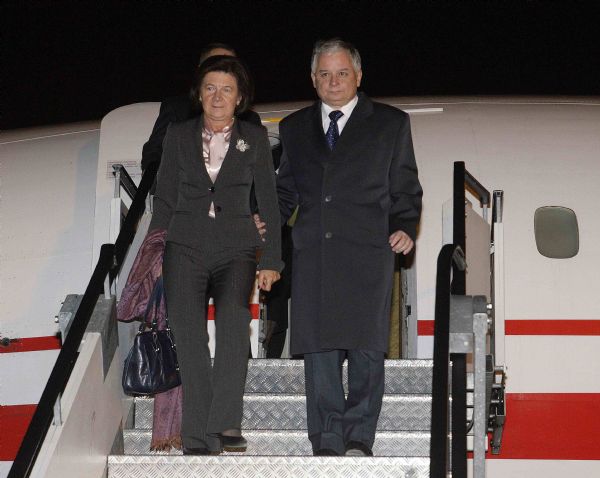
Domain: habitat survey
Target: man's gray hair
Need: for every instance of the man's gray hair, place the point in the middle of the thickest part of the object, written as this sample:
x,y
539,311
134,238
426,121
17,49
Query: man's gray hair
x,y
333,46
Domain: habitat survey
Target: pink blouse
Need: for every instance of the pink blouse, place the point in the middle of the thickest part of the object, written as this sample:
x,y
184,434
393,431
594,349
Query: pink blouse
x,y
214,149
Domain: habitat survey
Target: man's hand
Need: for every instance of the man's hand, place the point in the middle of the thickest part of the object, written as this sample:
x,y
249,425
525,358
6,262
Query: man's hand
x,y
401,242
267,278
260,226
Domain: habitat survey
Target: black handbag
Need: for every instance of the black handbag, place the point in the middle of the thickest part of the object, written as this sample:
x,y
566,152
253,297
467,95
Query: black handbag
x,y
151,366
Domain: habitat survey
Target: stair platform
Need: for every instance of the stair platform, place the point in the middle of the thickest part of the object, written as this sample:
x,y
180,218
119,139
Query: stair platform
x,y
266,467
293,443
274,423
286,376
288,412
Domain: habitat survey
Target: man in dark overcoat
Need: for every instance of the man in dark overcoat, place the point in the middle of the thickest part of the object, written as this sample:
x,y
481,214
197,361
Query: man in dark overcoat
x,y
348,163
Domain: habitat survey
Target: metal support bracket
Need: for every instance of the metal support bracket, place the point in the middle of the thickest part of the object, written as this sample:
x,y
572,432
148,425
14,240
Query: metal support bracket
x,y
497,412
480,414
67,313
57,419
469,328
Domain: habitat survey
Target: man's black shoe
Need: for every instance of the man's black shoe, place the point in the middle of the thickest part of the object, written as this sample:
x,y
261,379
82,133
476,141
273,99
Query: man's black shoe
x,y
326,452
198,451
356,448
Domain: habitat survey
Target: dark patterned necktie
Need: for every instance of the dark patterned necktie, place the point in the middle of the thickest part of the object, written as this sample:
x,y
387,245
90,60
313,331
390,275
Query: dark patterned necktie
x,y
333,133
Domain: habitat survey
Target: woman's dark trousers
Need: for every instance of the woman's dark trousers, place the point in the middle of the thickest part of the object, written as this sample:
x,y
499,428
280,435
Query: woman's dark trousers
x,y
212,396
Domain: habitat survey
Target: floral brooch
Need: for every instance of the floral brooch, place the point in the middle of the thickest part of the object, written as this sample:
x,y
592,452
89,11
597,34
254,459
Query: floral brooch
x,y
242,145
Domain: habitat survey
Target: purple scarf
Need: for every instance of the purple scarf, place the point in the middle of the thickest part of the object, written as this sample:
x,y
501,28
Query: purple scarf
x,y
147,267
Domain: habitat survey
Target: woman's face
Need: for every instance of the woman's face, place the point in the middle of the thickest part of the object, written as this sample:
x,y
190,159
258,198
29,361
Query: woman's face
x,y
219,96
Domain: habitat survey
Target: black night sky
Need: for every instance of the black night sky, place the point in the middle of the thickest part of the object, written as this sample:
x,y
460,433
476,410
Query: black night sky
x,y
64,61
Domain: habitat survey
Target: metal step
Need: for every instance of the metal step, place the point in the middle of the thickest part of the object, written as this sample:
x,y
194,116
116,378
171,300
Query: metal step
x,y
166,466
286,376
294,443
288,412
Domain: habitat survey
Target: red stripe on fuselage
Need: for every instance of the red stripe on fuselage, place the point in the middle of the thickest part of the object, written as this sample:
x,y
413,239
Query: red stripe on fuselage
x,y
551,426
425,327
254,311
31,344
15,420
533,327
552,327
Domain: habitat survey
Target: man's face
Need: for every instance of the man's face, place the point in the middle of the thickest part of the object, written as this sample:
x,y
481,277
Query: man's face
x,y
335,79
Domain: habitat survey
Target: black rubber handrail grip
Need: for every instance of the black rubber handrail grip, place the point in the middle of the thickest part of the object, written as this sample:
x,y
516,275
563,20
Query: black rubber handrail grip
x,y
439,459
137,208
110,261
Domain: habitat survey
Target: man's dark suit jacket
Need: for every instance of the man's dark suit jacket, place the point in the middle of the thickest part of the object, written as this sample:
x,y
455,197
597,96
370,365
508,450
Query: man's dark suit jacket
x,y
350,200
176,109
185,192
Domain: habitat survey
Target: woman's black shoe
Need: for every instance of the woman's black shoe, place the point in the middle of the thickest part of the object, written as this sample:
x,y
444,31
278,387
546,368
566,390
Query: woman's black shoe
x,y
234,444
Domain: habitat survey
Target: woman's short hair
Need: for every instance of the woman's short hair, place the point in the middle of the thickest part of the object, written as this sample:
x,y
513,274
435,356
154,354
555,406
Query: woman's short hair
x,y
225,64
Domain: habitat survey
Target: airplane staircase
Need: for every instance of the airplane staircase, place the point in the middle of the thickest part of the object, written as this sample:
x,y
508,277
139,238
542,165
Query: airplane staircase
x,y
409,442
274,424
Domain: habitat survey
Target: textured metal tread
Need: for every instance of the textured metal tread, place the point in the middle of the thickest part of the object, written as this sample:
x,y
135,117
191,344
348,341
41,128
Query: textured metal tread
x,y
288,412
294,443
286,376
266,467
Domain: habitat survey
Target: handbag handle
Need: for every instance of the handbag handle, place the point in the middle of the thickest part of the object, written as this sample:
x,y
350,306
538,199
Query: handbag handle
x,y
154,302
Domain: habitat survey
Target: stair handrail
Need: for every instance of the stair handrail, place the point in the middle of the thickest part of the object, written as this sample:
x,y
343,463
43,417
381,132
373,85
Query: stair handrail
x,y
451,280
123,180
109,263
450,254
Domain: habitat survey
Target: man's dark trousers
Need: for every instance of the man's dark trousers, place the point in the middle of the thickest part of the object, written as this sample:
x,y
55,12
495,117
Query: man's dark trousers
x,y
333,420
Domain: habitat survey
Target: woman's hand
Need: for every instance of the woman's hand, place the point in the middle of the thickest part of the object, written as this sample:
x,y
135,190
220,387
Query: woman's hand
x,y
267,278
260,226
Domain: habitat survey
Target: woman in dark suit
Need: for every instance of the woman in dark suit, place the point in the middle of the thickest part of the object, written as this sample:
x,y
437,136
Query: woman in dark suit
x,y
208,167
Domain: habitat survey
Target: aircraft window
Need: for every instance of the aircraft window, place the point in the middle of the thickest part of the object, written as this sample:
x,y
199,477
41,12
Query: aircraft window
x,y
556,232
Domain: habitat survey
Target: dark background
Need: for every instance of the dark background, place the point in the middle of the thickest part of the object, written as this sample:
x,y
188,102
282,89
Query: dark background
x,y
66,61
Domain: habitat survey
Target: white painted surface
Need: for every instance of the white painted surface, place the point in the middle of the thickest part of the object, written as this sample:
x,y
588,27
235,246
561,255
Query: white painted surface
x,y
542,469
123,134
539,154
553,364
425,347
46,215
24,376
5,468
91,408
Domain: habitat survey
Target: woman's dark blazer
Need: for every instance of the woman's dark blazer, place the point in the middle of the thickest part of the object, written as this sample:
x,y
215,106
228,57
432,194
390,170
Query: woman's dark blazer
x,y
185,191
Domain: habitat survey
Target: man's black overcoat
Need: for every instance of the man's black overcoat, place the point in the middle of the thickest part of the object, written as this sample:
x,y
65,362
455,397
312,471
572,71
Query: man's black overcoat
x,y
350,200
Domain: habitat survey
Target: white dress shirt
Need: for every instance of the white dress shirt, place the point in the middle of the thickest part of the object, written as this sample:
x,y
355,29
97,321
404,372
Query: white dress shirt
x,y
346,109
